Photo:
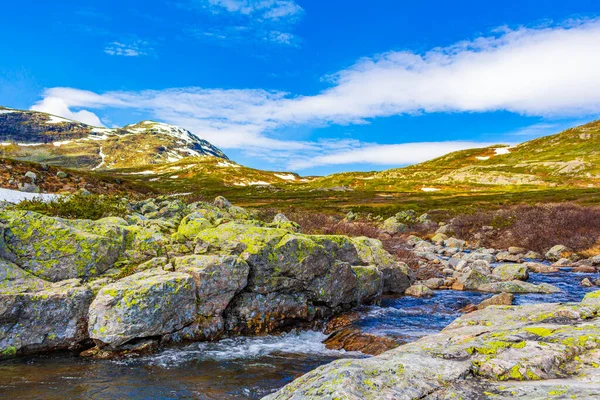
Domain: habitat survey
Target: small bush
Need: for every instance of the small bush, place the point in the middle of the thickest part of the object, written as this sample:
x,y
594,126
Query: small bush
x,y
78,206
536,227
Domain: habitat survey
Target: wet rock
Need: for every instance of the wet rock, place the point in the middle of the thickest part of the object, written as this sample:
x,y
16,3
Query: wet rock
x,y
419,291
341,321
586,283
540,268
254,313
353,339
149,303
557,252
584,269
563,263
139,348
511,272
535,351
472,280
518,287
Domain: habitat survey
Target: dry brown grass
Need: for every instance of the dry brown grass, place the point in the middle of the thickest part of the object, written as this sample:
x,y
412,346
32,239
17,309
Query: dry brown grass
x,y
537,227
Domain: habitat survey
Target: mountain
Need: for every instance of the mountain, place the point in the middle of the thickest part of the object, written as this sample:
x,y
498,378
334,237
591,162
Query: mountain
x,y
40,137
567,159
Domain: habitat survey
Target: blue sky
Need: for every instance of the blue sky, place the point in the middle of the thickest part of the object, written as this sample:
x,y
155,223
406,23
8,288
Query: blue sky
x,y
311,86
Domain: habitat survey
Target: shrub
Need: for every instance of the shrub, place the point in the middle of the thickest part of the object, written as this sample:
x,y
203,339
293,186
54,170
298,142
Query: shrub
x,y
537,227
78,206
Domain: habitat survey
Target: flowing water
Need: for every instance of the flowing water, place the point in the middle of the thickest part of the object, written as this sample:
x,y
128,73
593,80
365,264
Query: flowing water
x,y
244,368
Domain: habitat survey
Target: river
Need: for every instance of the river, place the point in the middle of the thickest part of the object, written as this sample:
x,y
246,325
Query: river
x,y
244,368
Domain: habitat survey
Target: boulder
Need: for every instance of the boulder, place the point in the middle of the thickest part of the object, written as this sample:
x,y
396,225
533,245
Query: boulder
x,y
505,256
392,226
217,279
454,242
396,278
50,319
369,283
540,268
56,249
472,280
502,299
517,250
434,283
192,224
586,283
557,252
510,272
518,287
146,304
419,291
531,352
353,339
256,313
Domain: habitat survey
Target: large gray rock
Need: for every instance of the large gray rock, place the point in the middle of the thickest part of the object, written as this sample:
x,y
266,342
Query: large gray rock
x,y
56,249
511,272
149,303
557,252
217,280
532,352
54,318
369,285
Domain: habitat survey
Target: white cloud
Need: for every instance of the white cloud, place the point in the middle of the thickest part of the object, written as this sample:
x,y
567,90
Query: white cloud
x,y
266,21
387,154
266,9
132,49
57,106
548,71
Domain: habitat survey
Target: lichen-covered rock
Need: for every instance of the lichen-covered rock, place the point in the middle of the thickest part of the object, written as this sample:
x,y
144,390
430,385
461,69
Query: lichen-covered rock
x,y
517,287
217,280
511,272
540,268
16,280
392,226
533,352
472,280
335,287
254,313
557,252
280,260
419,291
149,303
192,224
54,318
56,249
396,278
371,252
369,285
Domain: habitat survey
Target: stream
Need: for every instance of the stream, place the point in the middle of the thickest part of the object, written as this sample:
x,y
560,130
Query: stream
x,y
245,368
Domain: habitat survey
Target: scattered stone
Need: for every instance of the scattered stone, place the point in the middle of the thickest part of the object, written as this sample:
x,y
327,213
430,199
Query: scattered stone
x,y
434,283
540,268
587,283
557,252
517,250
29,188
510,272
419,291
584,269
353,339
505,256
518,287
222,202
392,226
31,175
563,263
456,243
61,175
